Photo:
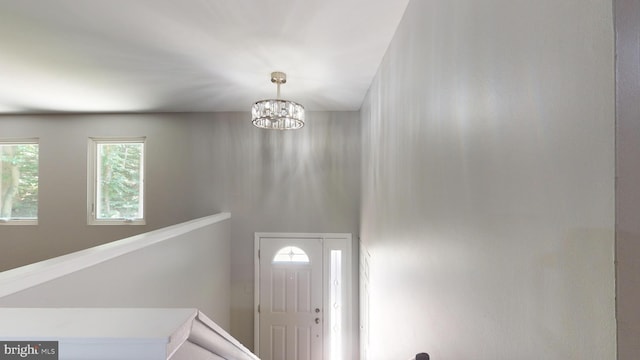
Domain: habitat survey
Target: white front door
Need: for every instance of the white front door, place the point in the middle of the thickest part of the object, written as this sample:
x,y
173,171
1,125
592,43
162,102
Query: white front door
x,y
291,298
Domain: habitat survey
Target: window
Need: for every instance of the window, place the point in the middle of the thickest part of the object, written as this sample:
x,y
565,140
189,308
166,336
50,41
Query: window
x,y
335,299
19,182
291,254
116,181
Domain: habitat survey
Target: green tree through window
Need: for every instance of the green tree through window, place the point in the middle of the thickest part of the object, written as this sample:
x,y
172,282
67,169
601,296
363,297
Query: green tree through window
x,y
115,186
120,180
18,181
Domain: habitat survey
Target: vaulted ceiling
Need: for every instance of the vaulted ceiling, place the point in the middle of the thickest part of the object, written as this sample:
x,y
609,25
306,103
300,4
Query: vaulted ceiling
x,y
189,55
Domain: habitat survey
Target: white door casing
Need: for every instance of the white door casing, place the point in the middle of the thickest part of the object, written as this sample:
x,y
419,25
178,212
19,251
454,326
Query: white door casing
x,y
303,309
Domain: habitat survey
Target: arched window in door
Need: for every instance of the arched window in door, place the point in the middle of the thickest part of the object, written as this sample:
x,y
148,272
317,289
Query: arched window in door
x,y
291,254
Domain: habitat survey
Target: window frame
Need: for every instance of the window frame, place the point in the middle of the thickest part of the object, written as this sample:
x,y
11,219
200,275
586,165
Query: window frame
x,y
24,141
92,174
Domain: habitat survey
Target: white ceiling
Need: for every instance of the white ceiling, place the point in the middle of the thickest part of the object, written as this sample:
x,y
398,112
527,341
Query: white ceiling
x,y
189,55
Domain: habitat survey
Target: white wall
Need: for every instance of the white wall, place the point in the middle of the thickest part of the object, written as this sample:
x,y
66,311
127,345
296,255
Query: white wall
x,y
62,224
627,15
273,181
184,266
488,183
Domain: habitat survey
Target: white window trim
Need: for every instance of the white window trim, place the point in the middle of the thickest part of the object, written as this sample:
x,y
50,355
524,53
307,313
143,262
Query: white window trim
x,y
92,171
19,141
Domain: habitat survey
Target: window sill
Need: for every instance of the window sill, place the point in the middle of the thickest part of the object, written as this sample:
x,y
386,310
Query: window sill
x,y
13,222
117,222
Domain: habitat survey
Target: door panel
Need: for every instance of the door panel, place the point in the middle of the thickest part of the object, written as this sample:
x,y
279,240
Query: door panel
x,y
291,300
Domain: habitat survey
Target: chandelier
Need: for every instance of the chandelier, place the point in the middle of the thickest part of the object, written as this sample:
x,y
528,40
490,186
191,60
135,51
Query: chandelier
x,y
276,113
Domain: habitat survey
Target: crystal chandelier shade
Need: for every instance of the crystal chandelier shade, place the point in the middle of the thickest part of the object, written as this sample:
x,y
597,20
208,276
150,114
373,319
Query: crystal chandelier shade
x,y
277,114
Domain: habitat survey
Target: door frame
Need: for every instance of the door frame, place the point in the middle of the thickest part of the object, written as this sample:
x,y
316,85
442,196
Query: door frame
x,y
330,241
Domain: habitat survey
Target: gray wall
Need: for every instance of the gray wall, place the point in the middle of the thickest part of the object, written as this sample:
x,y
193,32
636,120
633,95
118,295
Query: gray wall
x,y
63,181
273,181
189,270
197,164
627,15
488,183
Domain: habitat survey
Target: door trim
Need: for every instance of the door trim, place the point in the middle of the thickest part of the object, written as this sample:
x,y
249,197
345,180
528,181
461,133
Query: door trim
x,y
330,241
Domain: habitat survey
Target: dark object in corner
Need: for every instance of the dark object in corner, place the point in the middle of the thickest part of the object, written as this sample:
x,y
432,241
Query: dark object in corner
x,y
422,356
